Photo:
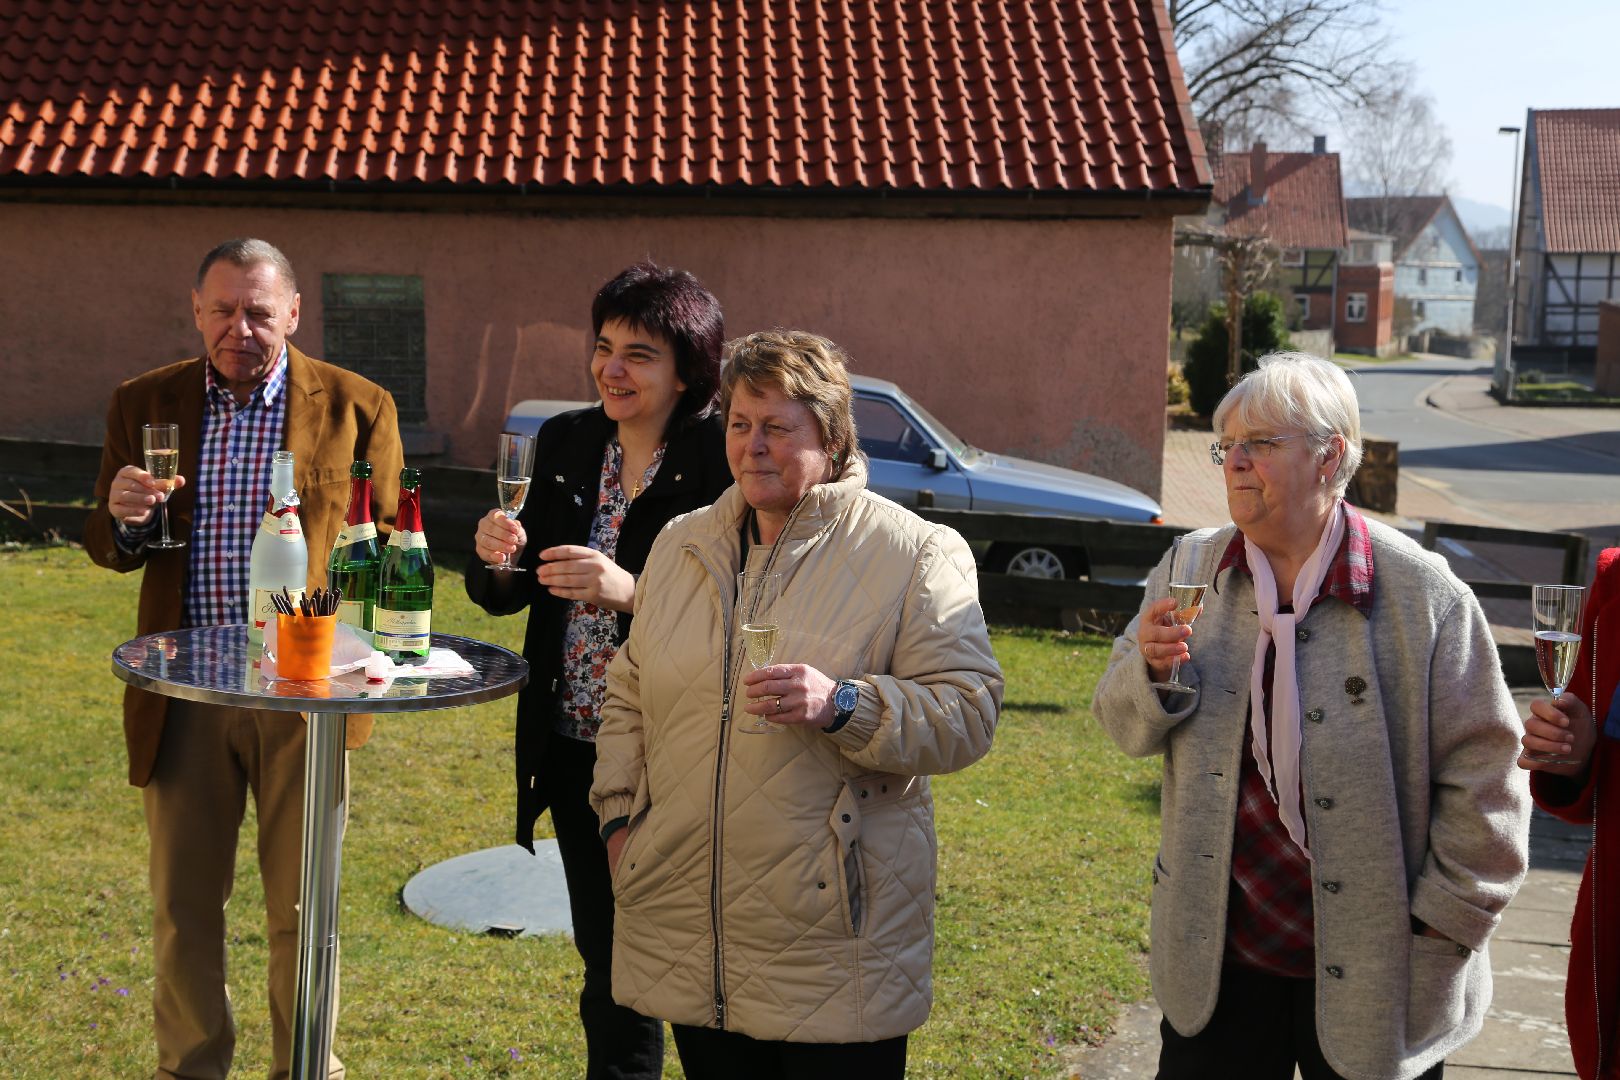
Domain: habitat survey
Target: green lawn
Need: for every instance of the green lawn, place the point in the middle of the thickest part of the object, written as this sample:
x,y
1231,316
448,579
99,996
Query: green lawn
x,y
1044,853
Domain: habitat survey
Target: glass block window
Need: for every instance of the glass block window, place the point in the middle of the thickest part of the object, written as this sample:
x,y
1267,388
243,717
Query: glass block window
x,y
376,327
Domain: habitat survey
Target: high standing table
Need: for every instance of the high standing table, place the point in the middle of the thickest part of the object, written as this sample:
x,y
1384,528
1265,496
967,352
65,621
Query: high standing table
x,y
211,664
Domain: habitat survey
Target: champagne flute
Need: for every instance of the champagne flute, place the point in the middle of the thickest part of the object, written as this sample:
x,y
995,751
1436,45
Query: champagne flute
x,y
162,445
1556,614
1191,562
757,593
513,466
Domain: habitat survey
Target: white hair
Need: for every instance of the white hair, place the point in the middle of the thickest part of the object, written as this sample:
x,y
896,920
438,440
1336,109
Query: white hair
x,y
1297,390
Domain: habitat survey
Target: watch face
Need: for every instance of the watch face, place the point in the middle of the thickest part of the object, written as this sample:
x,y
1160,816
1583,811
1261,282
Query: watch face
x,y
846,698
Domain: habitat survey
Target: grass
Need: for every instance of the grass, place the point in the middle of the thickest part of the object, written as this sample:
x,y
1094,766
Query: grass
x,y
1526,392
1044,850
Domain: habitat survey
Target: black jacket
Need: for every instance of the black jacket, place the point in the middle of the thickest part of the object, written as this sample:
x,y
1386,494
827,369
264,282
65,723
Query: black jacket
x,y
561,505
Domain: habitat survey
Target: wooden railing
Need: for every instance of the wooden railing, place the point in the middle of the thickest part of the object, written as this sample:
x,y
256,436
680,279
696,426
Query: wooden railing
x,y
1574,546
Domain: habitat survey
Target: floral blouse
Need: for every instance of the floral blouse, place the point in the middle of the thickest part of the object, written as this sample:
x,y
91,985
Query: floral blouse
x,y
590,642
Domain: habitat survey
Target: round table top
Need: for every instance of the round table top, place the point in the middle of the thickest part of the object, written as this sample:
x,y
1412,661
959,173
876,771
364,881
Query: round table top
x,y
211,664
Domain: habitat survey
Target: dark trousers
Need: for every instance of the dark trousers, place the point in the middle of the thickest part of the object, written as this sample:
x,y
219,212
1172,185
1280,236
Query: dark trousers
x,y
622,1044
710,1054
1263,1026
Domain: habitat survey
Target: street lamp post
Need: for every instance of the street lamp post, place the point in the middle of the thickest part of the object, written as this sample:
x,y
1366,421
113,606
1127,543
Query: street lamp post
x,y
1505,375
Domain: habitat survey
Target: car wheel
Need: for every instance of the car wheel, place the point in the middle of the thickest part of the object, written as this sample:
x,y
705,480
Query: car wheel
x,y
1036,562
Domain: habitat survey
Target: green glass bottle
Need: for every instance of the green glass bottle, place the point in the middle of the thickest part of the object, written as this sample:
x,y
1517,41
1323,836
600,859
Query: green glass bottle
x,y
356,562
404,615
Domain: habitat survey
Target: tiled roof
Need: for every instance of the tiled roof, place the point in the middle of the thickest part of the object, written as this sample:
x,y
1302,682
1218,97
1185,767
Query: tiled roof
x,y
1402,217
956,96
1303,203
1578,158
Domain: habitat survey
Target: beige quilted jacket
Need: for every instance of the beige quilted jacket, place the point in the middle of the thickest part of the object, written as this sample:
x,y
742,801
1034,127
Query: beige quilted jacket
x,y
782,885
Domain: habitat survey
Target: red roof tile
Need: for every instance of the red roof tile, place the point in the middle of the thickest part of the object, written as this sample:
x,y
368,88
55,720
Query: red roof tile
x,y
1302,205
1063,96
1577,156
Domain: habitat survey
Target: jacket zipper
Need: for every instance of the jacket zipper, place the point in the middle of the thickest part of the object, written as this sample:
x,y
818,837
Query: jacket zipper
x,y
716,814
1597,991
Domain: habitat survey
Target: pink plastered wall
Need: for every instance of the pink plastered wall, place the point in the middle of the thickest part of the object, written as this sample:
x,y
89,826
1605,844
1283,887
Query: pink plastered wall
x,y
1042,338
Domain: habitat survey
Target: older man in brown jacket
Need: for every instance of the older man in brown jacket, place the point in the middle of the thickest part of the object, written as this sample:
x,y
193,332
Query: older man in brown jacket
x,y
247,396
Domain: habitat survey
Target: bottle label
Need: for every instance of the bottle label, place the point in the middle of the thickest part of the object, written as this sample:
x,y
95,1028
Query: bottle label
x,y
354,534
353,612
284,526
407,539
402,631
264,609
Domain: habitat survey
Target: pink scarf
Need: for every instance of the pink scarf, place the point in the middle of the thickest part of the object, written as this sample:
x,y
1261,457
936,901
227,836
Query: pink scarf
x,y
1279,760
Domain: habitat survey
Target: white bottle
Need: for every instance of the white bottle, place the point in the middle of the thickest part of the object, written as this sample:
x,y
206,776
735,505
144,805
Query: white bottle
x,y
280,556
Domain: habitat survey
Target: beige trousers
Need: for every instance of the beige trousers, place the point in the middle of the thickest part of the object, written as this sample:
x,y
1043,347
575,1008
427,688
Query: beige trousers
x,y
210,758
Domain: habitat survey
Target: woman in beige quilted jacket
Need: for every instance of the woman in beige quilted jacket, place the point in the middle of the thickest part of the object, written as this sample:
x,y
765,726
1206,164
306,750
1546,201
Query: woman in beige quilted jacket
x,y
774,892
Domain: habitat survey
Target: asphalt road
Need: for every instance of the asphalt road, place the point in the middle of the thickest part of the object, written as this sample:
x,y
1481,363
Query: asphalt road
x,y
1517,466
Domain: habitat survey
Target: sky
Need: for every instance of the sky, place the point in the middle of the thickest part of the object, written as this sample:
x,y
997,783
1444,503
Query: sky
x,y
1486,61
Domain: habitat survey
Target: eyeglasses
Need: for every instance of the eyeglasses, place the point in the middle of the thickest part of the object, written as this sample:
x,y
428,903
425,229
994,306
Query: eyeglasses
x,y
1254,448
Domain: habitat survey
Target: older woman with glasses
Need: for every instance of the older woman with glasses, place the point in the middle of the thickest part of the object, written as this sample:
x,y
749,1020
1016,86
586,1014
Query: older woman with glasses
x,y
1342,823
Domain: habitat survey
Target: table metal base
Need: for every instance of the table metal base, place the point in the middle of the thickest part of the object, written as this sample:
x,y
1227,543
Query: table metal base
x,y
325,811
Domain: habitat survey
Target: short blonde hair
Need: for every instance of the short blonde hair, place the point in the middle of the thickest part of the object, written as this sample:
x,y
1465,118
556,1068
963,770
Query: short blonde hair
x,y
801,367
1297,390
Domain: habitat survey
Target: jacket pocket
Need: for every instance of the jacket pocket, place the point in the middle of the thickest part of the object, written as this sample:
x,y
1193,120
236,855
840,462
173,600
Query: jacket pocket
x,y
852,878
1436,994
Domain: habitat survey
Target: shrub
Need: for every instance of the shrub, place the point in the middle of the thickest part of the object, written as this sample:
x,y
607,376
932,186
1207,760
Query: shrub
x,y
1175,387
1264,331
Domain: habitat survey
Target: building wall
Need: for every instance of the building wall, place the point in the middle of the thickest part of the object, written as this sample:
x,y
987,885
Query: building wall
x,y
1039,338
1439,271
1606,371
1372,335
1572,287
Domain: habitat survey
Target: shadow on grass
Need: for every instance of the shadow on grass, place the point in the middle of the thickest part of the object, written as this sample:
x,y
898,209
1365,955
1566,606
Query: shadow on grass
x,y
1046,707
1144,795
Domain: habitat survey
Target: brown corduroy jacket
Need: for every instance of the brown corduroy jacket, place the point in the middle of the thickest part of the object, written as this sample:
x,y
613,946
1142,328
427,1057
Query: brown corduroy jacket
x,y
333,418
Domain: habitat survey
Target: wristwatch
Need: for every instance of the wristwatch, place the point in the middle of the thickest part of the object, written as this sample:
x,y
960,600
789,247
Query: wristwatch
x,y
845,698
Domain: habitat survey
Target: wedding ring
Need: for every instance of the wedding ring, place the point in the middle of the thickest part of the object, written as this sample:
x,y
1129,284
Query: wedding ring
x,y
779,703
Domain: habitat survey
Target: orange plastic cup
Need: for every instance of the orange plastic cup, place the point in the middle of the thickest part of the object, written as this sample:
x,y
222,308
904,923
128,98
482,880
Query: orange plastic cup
x,y
304,646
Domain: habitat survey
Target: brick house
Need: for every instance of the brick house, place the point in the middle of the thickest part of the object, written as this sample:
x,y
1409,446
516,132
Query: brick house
x,y
976,202
1437,266
1296,200
1363,321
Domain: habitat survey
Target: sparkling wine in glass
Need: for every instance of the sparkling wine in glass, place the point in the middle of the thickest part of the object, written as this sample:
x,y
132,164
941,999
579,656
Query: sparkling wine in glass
x,y
513,466
756,599
162,445
1556,613
1191,563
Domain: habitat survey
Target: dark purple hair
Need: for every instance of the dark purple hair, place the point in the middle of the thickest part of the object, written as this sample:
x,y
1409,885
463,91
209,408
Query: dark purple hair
x,y
675,305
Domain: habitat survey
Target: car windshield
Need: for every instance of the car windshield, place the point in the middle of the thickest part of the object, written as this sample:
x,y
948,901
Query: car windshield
x,y
956,445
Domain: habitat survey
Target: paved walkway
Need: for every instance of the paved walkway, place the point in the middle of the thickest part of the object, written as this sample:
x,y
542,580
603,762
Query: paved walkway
x,y
1524,1034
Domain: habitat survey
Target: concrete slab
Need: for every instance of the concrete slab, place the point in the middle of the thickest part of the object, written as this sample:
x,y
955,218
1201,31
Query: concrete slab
x,y
1525,1026
503,891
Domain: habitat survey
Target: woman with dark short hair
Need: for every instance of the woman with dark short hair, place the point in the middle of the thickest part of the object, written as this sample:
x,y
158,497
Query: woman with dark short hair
x,y
606,480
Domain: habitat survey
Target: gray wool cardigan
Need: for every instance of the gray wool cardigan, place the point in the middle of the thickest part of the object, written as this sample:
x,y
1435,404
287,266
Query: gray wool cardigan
x,y
1413,803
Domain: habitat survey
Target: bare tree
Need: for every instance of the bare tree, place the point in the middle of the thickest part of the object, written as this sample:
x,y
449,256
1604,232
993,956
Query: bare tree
x,y
1246,262
1271,67
1396,146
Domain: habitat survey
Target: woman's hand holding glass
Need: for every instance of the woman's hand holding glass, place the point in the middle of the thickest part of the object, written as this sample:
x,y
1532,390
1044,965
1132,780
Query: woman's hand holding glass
x,y
499,538
1162,641
790,694
1560,728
